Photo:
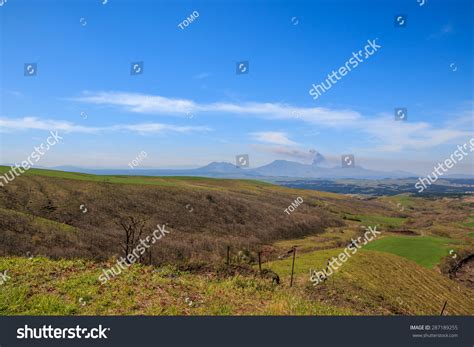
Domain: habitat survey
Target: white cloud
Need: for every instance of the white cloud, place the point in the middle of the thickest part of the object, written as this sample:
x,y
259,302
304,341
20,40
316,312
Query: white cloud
x,y
274,137
155,104
145,128
33,123
140,103
406,135
385,133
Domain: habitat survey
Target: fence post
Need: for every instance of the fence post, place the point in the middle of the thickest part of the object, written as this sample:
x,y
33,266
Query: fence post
x,y
293,266
444,307
228,255
260,261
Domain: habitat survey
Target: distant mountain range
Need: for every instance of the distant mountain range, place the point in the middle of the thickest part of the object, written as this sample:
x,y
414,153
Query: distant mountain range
x,y
276,169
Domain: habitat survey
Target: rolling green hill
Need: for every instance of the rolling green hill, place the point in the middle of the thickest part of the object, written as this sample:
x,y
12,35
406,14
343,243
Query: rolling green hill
x,y
380,283
58,230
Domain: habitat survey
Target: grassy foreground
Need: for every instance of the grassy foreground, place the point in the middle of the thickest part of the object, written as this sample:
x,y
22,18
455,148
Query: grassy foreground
x,y
379,283
40,286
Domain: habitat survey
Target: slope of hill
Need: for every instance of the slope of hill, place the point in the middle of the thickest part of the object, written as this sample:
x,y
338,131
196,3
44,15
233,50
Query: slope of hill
x,y
46,215
370,283
380,283
204,215
40,286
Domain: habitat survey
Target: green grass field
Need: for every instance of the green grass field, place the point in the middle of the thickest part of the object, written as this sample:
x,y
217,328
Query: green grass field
x,y
424,250
140,180
380,221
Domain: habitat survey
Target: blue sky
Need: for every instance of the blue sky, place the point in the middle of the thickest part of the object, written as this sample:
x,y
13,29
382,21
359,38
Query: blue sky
x,y
189,107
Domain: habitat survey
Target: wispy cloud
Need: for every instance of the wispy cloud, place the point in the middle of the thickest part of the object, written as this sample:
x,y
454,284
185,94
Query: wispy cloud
x,y
145,128
33,123
140,103
396,137
407,135
274,137
155,104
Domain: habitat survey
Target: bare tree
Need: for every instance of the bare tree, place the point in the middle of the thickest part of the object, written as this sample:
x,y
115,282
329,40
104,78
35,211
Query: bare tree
x,y
133,228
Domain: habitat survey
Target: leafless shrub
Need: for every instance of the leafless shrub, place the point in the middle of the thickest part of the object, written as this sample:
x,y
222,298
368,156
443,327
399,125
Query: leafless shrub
x,y
134,228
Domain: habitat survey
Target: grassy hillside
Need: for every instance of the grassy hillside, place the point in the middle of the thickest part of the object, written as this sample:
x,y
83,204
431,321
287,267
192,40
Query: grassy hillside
x,y
204,215
380,283
141,180
70,287
362,286
58,231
